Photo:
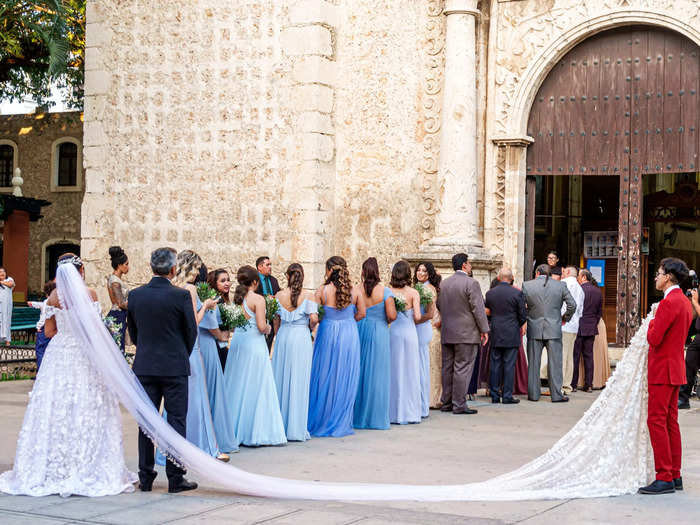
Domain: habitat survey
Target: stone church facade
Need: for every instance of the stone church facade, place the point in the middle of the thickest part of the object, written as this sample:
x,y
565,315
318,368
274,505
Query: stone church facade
x,y
300,129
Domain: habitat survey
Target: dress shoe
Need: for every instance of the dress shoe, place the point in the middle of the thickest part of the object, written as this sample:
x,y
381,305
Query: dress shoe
x,y
466,410
181,485
496,400
588,390
146,482
511,401
223,457
563,399
658,487
678,483
574,389
683,405
446,408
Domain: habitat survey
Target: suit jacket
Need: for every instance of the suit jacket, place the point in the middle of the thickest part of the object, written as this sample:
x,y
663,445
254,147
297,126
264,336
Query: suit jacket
x,y
592,310
462,310
666,336
273,283
508,314
162,325
544,307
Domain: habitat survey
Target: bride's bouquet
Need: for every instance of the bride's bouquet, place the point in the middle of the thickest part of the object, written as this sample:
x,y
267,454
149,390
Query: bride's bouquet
x,y
426,296
271,308
232,317
400,302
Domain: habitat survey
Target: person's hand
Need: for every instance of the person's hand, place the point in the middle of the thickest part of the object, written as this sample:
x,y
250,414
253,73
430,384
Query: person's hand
x,y
210,304
225,336
484,338
268,329
438,324
694,296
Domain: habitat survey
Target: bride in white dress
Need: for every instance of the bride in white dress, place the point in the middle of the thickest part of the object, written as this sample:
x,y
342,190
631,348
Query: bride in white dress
x,y
71,437
607,453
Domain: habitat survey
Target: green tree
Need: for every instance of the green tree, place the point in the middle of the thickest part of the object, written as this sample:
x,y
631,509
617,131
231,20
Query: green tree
x,y
42,46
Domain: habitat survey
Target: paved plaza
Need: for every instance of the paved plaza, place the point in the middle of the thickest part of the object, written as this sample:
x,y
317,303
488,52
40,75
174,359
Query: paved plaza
x,y
445,449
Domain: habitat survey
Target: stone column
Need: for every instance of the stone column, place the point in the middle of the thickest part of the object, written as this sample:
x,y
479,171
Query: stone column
x,y
457,221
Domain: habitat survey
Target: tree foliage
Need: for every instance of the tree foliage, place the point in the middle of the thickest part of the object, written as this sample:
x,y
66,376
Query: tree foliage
x,y
42,47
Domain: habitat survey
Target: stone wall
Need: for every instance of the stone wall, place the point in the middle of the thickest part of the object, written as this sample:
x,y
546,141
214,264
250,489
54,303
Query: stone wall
x,y
289,128
34,135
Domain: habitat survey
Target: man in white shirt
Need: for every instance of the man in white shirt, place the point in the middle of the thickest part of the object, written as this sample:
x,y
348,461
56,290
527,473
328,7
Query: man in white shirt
x,y
570,329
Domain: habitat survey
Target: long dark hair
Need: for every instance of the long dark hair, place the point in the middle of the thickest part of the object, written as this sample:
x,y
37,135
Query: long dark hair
x,y
401,274
340,278
295,281
370,275
434,278
213,278
546,270
246,276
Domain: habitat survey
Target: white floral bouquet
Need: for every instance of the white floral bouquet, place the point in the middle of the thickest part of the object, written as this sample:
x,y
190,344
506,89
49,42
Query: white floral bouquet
x,y
400,302
232,317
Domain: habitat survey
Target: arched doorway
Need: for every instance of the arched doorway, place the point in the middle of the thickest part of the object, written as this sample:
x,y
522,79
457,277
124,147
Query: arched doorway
x,y
616,124
52,250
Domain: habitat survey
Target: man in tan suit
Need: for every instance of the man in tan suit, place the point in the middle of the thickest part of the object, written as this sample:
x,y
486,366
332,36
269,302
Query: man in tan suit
x,y
463,327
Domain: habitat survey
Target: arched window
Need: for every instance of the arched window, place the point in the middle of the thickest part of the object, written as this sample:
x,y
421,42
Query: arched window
x,y
8,163
66,156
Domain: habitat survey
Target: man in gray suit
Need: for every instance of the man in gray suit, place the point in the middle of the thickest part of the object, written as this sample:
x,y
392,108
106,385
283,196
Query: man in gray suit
x,y
544,298
463,327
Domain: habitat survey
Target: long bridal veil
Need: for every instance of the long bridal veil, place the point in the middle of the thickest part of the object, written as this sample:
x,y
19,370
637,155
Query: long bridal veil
x,y
606,453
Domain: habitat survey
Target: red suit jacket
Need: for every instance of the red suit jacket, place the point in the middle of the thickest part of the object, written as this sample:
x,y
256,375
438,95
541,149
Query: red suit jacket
x,y
666,337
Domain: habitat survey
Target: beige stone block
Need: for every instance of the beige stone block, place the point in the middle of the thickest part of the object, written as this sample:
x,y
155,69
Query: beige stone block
x,y
94,156
93,58
314,12
91,223
94,107
97,34
307,40
315,69
311,221
93,134
93,13
315,122
313,97
96,82
94,181
317,147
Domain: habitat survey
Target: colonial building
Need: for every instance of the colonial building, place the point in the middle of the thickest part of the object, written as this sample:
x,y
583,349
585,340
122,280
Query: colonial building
x,y
400,128
45,222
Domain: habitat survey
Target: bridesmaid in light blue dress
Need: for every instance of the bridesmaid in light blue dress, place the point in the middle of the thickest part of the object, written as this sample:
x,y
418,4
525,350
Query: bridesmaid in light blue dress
x,y
291,359
200,426
405,396
252,403
372,401
209,334
336,362
426,275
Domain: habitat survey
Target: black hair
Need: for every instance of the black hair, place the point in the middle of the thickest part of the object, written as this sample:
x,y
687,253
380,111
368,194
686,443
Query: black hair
x,y
117,256
544,269
434,278
401,275
259,260
458,260
203,274
586,273
676,268
245,276
370,275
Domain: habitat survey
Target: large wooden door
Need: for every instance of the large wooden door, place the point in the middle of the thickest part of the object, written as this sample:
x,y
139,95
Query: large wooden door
x,y
624,102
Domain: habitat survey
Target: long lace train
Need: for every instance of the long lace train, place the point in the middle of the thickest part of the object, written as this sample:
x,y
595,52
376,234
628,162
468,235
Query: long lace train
x,y
606,453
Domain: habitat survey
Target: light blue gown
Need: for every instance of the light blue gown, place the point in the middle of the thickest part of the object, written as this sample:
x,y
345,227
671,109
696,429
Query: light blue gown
x,y
200,426
334,373
223,426
372,401
291,366
404,400
425,335
250,391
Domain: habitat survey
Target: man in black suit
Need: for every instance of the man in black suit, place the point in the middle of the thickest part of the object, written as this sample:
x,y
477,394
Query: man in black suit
x,y
587,329
506,306
267,285
162,325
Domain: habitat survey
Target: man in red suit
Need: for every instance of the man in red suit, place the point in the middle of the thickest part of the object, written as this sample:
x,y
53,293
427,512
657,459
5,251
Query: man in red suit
x,y
666,371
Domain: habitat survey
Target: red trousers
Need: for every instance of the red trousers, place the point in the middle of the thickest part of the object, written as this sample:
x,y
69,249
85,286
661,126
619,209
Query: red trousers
x,y
664,433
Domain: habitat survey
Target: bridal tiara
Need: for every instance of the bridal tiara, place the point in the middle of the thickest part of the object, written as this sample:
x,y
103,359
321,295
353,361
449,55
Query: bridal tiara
x,y
75,261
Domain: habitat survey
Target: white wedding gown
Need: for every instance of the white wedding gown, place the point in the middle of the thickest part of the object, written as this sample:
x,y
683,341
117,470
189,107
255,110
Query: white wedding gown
x,y
71,437
607,453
